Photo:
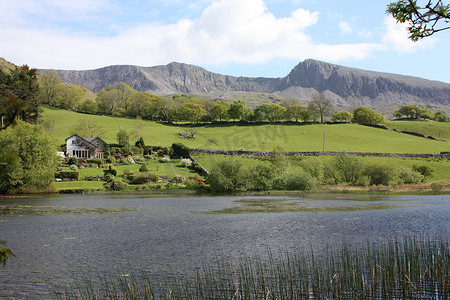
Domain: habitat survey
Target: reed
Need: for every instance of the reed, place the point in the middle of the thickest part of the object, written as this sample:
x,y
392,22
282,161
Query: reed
x,y
401,268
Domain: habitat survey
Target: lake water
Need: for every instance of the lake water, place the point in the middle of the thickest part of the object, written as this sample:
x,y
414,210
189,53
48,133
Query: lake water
x,y
168,235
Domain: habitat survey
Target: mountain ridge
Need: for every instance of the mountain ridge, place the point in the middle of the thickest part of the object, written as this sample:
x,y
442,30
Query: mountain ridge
x,y
345,86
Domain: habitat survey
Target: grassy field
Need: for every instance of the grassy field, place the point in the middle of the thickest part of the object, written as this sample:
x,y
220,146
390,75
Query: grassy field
x,y
338,137
439,130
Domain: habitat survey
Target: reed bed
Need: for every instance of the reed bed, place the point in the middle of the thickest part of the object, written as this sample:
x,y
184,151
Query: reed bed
x,y
407,268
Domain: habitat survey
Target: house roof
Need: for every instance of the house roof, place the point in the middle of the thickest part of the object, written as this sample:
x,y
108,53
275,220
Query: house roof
x,y
88,140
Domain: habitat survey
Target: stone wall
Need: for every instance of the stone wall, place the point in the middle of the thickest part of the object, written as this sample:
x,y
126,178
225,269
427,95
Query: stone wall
x,y
319,153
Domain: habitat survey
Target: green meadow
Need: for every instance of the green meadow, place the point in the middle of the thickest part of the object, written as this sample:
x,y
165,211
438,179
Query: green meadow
x,y
439,130
317,137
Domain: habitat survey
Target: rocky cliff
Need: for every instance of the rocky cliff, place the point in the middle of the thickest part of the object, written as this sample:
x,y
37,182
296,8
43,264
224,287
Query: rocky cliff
x,y
345,86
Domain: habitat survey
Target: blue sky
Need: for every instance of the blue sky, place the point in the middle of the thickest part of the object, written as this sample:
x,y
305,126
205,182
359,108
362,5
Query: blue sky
x,y
234,37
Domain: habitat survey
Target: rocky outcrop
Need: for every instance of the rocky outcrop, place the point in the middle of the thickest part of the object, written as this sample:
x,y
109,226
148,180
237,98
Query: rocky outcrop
x,y
344,86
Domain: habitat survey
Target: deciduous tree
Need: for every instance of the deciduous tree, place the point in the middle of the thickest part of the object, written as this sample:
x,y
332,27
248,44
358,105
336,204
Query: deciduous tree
x,y
321,106
425,17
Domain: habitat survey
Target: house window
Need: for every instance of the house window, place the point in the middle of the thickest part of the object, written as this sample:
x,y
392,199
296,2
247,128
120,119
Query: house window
x,y
74,153
73,141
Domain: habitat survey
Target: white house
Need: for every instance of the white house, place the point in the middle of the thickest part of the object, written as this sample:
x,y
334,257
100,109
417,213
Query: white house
x,y
79,147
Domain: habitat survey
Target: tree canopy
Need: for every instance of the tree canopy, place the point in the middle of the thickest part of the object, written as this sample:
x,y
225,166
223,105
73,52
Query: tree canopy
x,y
425,17
19,96
29,155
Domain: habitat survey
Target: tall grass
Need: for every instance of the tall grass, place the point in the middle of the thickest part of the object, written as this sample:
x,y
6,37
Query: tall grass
x,y
409,268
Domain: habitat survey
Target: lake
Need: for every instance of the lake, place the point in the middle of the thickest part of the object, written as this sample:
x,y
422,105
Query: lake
x,y
56,238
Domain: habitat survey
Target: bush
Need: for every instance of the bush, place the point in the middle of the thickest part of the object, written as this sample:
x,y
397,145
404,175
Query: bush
x,y
437,187
179,150
313,167
68,175
142,178
186,162
165,159
348,168
143,168
299,181
381,174
118,185
111,170
228,176
261,178
111,160
73,167
72,161
409,176
426,171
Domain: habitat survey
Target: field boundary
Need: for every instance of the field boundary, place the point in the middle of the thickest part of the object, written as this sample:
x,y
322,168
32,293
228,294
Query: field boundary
x,y
319,153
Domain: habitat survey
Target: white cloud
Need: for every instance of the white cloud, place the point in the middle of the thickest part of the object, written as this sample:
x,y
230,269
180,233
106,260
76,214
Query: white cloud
x,y
396,37
345,27
227,31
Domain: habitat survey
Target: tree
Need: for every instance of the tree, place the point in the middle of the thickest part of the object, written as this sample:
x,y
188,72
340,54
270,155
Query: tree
x,y
138,128
424,19
272,112
410,111
365,115
321,106
219,111
88,127
114,97
192,111
348,167
69,96
143,104
343,115
238,110
30,157
49,83
295,112
123,138
19,96
228,176
440,116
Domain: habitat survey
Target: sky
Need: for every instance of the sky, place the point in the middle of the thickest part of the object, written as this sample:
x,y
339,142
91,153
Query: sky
x,y
255,38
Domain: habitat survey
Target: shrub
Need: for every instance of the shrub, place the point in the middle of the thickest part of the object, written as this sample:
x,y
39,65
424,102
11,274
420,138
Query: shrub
x,y
143,168
69,175
163,151
348,168
111,170
179,179
179,150
409,176
111,160
381,174
426,171
261,178
437,186
165,159
118,185
73,167
299,181
228,176
186,162
313,167
72,161
143,177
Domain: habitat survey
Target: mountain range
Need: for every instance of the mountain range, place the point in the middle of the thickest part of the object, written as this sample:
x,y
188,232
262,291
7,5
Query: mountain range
x,y
346,87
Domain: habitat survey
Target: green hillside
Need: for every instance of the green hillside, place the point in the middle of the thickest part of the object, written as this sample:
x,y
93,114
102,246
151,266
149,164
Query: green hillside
x,y
439,130
338,137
